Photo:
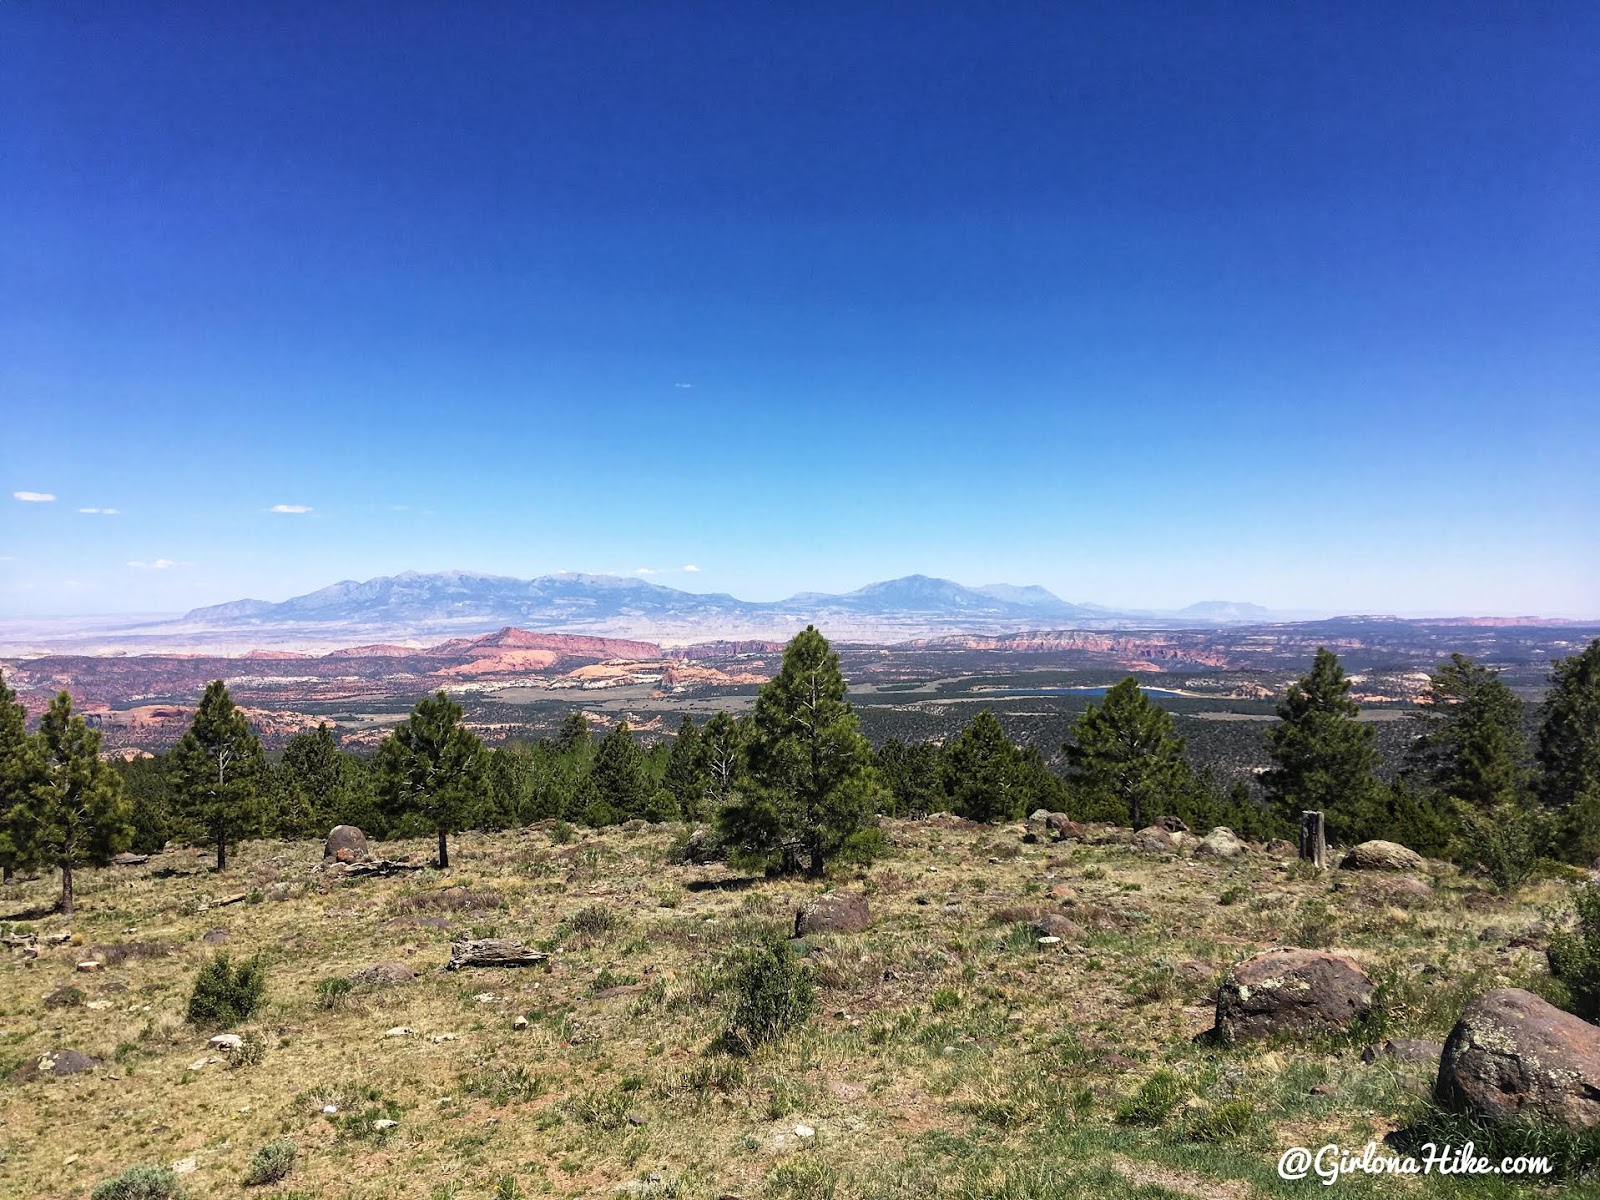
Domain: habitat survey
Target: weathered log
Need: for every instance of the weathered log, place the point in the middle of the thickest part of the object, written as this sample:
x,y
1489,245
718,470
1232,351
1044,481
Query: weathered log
x,y
492,952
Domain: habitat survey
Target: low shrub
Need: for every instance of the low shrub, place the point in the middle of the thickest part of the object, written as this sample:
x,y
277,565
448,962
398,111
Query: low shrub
x,y
771,993
227,995
271,1162
139,1183
1225,1122
334,993
1575,956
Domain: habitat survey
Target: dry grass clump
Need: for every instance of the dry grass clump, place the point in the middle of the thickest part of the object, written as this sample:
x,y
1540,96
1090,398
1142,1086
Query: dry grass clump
x,y
454,899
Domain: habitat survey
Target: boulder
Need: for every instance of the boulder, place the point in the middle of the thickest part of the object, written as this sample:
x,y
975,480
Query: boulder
x,y
1381,856
1062,827
1057,926
492,952
1405,1050
1172,824
1289,990
1515,1057
833,912
1221,842
1279,848
129,860
384,974
57,1064
214,937
1155,840
228,1043
345,843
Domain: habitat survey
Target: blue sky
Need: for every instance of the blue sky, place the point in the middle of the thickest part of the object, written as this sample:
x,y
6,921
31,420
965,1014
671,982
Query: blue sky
x,y
1148,303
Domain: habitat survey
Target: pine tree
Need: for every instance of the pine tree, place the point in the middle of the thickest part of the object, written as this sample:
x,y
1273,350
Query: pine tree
x,y
432,767
1569,748
621,788
1323,758
812,785
981,771
75,813
1472,749
15,783
912,776
687,778
1124,754
309,783
573,735
219,772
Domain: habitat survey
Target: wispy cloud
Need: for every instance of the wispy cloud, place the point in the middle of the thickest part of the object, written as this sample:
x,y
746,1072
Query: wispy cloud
x,y
645,571
683,385
160,564
690,569
290,508
103,512
33,497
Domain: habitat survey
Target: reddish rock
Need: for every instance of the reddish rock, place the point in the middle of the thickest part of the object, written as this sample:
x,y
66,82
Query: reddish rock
x,y
1155,840
1515,1057
346,844
1290,990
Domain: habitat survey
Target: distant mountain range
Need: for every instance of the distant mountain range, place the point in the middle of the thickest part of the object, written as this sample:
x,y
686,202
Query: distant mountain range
x,y
423,603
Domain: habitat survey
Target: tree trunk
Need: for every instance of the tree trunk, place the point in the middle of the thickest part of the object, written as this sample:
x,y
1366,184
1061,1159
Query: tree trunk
x,y
1313,839
1136,812
8,874
222,853
444,850
67,905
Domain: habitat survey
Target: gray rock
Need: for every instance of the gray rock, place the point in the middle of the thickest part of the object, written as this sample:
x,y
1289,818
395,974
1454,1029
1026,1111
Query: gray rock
x,y
1379,855
346,843
384,974
833,912
54,1064
1221,842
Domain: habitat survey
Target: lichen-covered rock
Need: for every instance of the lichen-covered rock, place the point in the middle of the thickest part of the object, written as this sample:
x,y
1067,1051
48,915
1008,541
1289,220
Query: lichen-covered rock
x,y
1172,824
1290,990
345,843
1154,840
1381,856
1061,827
1058,926
1515,1057
57,1064
1221,842
833,912
384,974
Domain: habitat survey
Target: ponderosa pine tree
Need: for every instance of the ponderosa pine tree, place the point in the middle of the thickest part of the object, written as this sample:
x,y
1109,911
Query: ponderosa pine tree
x,y
573,735
1569,749
219,773
1124,755
14,775
1472,749
307,783
981,771
686,778
432,767
912,776
812,783
1322,756
74,814
618,784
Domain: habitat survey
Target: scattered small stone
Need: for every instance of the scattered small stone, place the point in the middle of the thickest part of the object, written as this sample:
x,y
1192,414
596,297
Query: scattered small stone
x,y
89,965
635,1120
400,1031
804,1131
185,1166
329,1109
520,1023
437,1038
384,1123
228,1043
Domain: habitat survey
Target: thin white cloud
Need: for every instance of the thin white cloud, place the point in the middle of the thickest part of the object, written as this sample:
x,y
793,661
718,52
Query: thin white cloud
x,y
160,564
690,569
683,385
290,508
33,497
645,571
104,512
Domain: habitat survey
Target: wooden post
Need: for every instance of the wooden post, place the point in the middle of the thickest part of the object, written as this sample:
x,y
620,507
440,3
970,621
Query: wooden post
x,y
1313,839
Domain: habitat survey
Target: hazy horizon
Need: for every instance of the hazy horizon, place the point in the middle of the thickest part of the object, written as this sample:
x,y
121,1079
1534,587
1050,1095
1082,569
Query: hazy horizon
x,y
1147,306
